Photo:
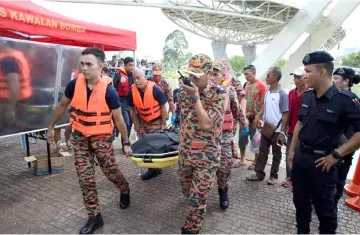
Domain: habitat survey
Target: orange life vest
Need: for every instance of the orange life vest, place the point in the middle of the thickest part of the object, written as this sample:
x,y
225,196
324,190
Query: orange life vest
x,y
107,79
148,108
24,76
93,117
123,87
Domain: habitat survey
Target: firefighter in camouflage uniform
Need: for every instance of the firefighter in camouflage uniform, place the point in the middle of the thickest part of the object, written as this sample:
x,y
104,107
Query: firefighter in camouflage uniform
x,y
95,107
164,85
202,108
236,84
232,115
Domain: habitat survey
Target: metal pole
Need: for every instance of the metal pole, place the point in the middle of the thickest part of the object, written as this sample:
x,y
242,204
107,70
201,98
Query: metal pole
x,y
27,148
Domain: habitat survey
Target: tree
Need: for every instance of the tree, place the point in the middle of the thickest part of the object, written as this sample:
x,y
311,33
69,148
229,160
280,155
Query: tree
x,y
352,60
281,63
237,62
175,51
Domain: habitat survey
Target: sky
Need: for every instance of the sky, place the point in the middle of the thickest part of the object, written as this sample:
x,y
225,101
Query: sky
x,y
152,27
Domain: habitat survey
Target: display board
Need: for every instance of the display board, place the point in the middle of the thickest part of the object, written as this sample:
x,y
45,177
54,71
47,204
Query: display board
x,y
33,77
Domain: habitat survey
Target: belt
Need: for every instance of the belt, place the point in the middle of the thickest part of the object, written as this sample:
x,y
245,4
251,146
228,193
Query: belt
x,y
314,151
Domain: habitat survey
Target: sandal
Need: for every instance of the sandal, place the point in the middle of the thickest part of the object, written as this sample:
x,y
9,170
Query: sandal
x,y
286,184
238,164
251,167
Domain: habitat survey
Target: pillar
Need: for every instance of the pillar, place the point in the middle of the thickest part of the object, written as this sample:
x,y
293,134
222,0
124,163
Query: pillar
x,y
219,49
249,52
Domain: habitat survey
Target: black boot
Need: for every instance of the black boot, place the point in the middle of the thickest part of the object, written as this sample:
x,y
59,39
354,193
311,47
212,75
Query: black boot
x,y
224,198
187,231
124,200
151,173
92,224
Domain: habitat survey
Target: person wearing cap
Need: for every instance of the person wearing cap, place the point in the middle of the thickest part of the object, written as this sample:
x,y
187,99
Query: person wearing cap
x,y
164,85
324,114
344,78
239,161
295,97
202,109
232,113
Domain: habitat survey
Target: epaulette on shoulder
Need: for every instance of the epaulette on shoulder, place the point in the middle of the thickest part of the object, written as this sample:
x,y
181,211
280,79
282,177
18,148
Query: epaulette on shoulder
x,y
348,94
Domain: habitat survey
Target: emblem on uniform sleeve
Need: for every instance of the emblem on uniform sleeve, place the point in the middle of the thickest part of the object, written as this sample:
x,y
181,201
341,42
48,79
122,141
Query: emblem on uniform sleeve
x,y
307,58
341,71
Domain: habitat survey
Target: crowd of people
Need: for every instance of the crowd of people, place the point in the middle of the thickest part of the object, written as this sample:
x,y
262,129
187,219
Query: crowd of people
x,y
318,122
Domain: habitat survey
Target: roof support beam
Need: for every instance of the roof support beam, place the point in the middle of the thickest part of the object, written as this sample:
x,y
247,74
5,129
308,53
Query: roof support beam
x,y
171,6
318,36
289,35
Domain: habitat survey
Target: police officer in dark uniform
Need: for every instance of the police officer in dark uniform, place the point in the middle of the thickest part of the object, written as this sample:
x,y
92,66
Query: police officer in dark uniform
x,y
324,114
344,78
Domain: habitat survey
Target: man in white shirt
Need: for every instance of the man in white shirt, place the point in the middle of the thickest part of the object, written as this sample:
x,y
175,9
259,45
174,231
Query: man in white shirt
x,y
274,115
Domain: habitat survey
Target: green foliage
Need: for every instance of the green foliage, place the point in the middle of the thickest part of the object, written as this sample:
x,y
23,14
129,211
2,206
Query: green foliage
x,y
352,60
171,74
175,51
280,63
237,63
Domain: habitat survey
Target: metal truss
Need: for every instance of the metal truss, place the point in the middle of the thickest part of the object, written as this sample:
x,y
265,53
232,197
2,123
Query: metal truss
x,y
241,22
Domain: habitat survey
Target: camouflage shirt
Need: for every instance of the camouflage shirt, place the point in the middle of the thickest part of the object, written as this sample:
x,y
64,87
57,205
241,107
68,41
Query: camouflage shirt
x,y
165,87
239,89
195,143
236,111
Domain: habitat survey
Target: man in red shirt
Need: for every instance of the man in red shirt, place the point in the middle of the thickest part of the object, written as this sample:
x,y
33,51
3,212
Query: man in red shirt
x,y
295,98
255,91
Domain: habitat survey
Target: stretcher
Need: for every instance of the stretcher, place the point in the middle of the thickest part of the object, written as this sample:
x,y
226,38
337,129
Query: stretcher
x,y
159,160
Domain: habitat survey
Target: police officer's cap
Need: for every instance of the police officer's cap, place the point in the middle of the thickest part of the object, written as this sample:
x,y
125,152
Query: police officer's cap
x,y
344,72
317,57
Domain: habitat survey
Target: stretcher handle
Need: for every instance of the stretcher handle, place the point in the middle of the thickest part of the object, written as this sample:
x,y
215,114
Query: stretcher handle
x,y
154,154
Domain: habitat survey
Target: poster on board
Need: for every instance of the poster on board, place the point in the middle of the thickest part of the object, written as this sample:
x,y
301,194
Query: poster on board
x,y
33,77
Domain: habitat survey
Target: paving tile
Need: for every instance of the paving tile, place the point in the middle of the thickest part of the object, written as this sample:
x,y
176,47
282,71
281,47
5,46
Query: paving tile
x,y
53,204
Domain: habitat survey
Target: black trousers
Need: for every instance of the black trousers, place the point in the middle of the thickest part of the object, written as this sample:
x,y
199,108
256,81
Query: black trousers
x,y
343,170
312,186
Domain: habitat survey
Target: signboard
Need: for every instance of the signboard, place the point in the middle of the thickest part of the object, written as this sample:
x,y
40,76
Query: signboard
x,y
33,77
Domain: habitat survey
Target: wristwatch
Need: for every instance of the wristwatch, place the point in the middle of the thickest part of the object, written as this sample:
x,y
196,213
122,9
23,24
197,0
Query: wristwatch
x,y
194,98
127,144
336,154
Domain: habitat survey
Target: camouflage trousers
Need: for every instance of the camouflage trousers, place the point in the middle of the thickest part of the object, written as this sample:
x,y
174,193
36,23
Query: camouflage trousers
x,y
85,149
226,160
149,127
196,180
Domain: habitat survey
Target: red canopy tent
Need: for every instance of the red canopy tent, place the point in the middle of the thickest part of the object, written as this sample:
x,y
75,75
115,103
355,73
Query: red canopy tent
x,y
27,20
